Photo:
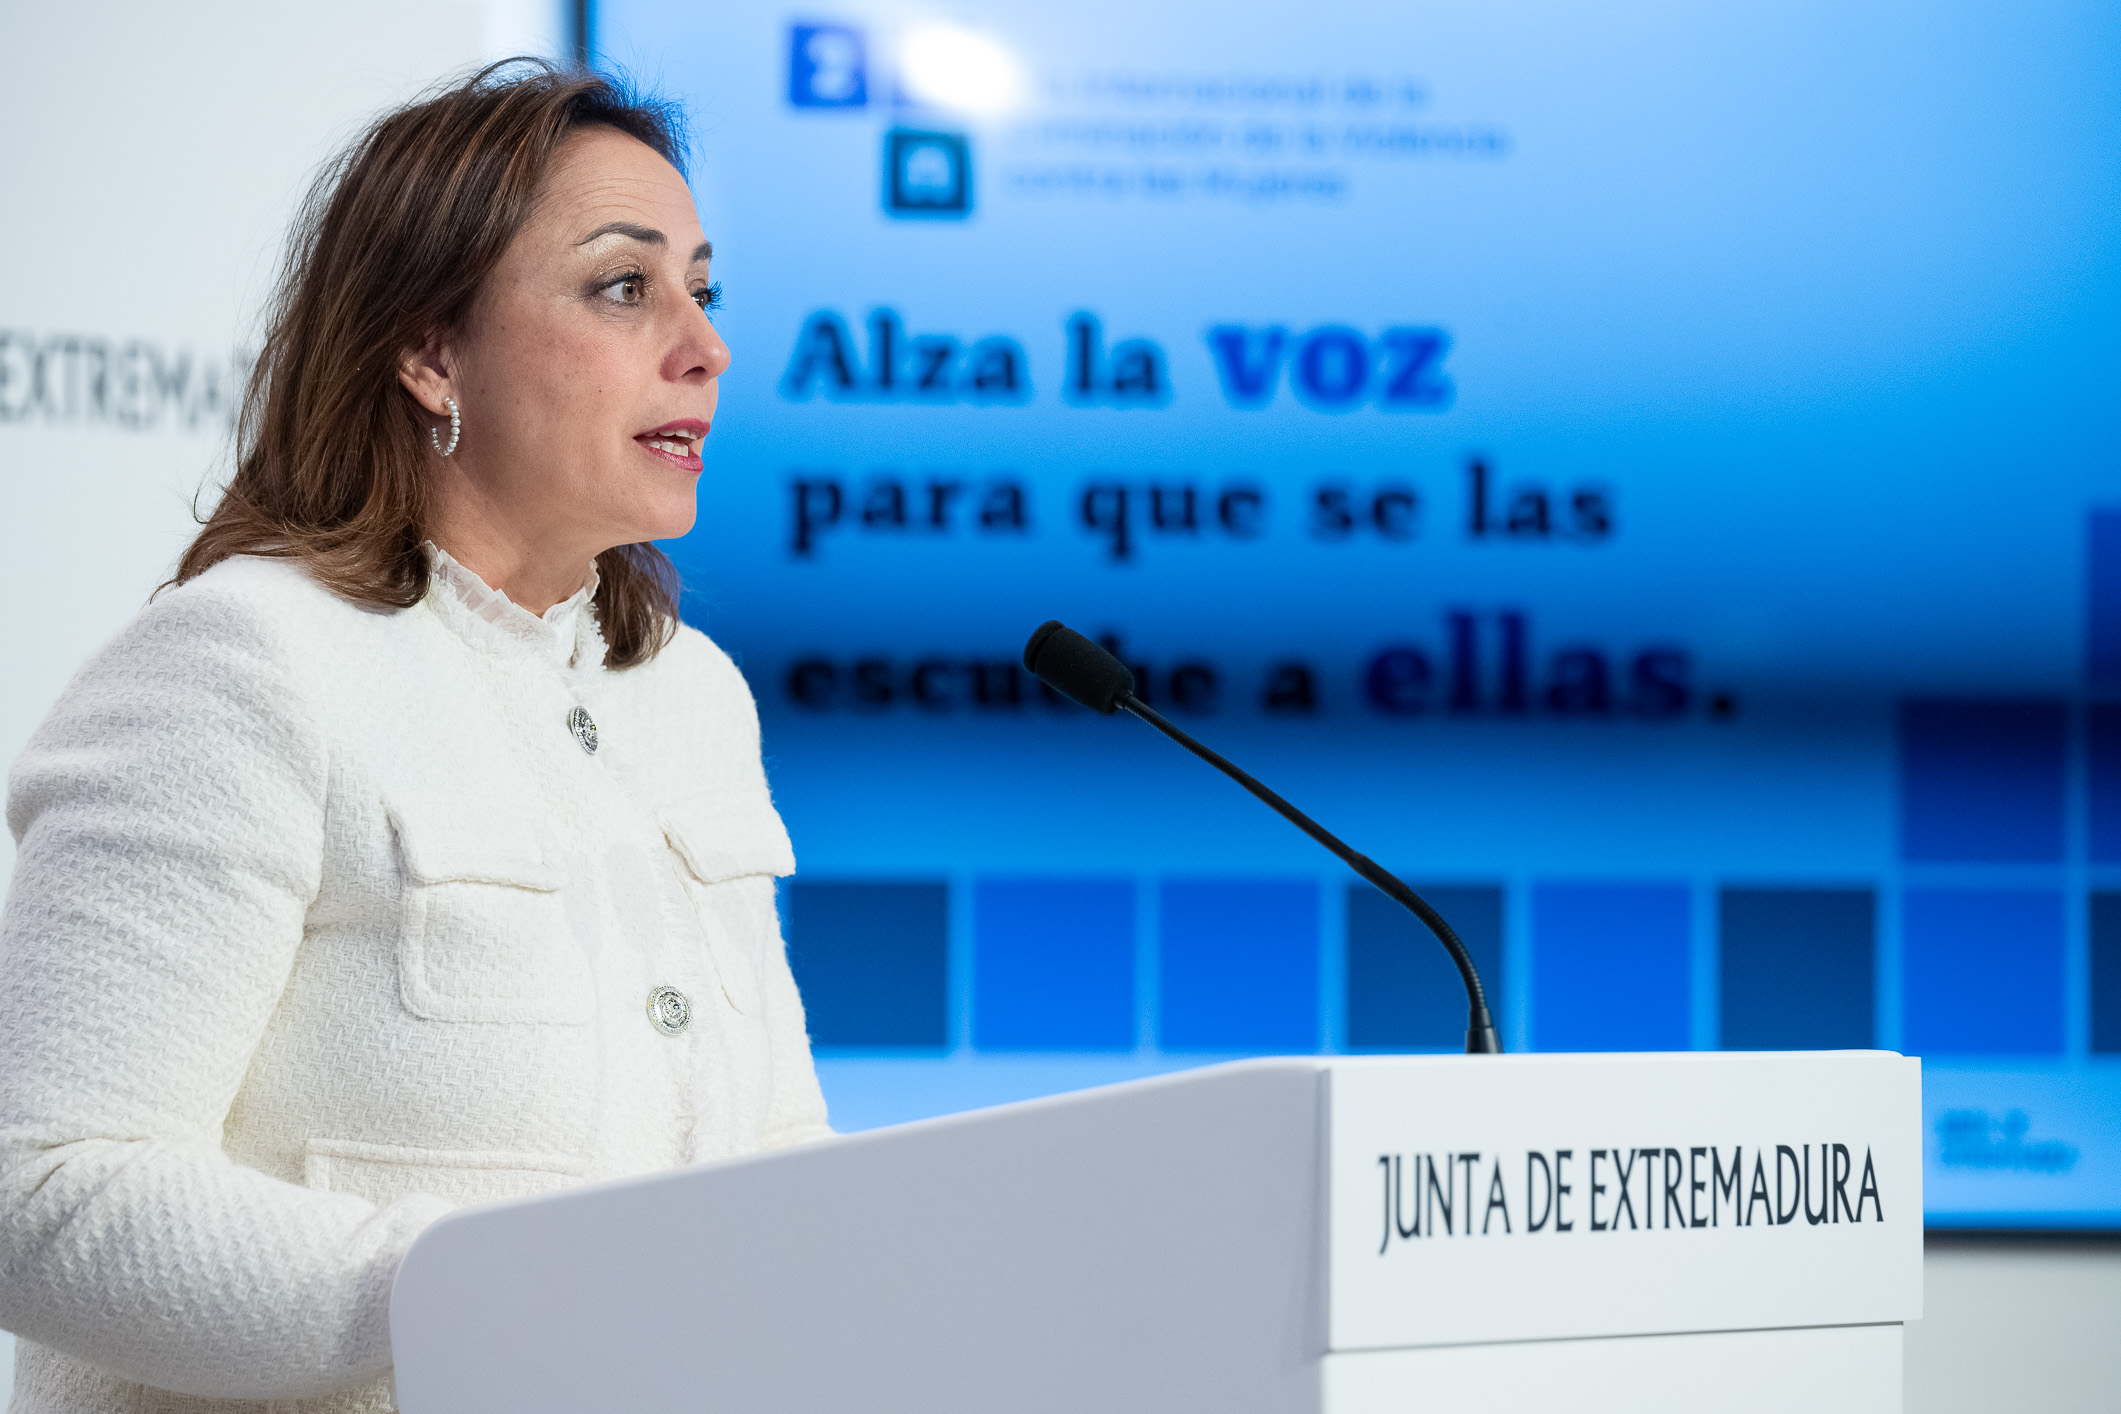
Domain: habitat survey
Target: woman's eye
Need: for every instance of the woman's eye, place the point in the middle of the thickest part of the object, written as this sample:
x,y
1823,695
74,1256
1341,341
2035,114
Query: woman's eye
x,y
709,297
626,291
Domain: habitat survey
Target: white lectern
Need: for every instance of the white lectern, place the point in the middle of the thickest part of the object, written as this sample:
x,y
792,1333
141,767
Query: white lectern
x,y
1556,1233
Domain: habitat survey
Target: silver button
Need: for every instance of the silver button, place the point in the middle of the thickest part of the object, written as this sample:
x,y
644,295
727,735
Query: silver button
x,y
584,728
669,1010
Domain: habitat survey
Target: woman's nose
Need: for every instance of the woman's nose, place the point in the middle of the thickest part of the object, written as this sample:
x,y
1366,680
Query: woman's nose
x,y
698,353
717,353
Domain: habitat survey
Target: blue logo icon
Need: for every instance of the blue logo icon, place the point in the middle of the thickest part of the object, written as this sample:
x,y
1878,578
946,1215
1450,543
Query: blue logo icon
x,y
828,67
927,174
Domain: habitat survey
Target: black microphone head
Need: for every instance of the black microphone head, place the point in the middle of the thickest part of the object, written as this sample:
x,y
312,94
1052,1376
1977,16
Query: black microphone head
x,y
1071,664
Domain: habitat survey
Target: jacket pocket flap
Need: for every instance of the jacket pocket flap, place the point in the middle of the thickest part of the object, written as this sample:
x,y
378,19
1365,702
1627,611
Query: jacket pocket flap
x,y
385,1173
469,839
728,836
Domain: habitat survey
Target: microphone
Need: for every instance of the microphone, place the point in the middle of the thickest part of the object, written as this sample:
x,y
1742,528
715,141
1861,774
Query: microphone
x,y
1078,668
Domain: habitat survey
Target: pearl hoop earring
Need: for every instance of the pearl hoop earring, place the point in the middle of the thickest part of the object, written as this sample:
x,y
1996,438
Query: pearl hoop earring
x,y
456,429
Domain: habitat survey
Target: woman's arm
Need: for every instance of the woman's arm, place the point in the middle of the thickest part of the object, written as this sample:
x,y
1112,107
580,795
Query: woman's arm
x,y
170,819
797,1114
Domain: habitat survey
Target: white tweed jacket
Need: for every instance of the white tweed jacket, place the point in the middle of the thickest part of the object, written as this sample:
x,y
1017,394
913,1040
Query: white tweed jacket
x,y
323,922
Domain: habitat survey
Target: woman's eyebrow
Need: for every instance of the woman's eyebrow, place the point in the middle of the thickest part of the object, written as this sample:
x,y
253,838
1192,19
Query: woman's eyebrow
x,y
648,235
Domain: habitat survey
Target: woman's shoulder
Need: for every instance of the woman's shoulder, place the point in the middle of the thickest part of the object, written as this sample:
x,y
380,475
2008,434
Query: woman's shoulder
x,y
248,595
693,683
692,663
209,670
248,624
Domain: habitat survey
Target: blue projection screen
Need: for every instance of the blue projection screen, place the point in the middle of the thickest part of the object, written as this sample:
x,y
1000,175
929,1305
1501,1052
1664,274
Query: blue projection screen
x,y
1645,472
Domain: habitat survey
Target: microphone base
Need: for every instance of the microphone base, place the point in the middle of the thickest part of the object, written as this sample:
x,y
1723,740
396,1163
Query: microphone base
x,y
1484,1041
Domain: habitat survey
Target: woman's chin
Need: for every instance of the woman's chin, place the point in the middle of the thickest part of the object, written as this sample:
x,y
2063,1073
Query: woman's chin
x,y
674,524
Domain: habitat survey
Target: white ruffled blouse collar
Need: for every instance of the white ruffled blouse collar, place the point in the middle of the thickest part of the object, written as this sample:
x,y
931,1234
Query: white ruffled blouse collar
x,y
559,633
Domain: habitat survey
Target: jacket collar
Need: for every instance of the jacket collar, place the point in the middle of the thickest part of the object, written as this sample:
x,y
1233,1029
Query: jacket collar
x,y
566,635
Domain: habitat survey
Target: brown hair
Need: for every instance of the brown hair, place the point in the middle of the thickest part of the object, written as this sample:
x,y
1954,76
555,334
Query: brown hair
x,y
390,247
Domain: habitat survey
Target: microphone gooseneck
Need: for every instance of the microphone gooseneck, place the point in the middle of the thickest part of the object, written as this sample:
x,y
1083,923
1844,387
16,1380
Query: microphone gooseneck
x,y
1082,670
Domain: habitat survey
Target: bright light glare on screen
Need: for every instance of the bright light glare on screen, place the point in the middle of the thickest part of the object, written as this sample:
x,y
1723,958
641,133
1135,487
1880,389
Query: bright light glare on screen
x,y
955,68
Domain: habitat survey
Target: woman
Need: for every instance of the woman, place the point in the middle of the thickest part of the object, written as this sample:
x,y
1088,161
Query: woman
x,y
407,853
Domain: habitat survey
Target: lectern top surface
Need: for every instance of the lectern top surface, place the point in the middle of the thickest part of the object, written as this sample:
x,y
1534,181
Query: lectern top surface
x,y
1205,1238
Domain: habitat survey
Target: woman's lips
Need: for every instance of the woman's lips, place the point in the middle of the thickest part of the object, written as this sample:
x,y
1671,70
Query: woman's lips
x,y
678,443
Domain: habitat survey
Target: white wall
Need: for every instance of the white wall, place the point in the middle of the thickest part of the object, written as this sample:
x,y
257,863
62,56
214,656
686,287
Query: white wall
x,y
2017,1324
155,155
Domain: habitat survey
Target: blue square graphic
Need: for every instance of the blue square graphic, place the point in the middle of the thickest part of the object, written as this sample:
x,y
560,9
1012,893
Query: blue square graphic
x,y
1053,965
1239,968
2102,761
1611,967
927,174
1404,994
871,960
2102,599
1798,969
1982,781
2106,974
828,67
1982,972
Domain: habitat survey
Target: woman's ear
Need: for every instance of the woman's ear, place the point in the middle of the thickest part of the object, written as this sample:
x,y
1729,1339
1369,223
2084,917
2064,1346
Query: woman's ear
x,y
425,373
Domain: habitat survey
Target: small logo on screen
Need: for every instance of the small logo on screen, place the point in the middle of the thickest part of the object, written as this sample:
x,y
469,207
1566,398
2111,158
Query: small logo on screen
x,y
828,67
927,174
